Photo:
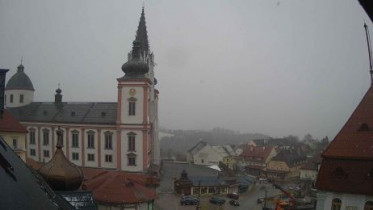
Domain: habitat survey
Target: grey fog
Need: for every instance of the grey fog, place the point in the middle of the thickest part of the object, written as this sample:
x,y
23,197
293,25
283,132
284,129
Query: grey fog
x,y
276,67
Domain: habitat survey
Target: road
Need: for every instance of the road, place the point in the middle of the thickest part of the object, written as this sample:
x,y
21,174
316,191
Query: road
x,y
170,201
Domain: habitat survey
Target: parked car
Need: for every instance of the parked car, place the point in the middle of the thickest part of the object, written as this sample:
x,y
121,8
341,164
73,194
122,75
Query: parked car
x,y
189,200
234,202
217,200
233,196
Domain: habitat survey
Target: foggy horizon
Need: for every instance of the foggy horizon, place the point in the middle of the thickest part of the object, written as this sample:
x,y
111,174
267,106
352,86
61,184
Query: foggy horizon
x,y
277,68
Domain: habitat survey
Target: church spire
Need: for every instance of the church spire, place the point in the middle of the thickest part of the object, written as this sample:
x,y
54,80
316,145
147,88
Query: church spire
x,y
369,53
142,34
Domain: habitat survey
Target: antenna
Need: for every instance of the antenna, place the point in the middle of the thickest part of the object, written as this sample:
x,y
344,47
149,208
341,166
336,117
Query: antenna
x,y
21,59
369,53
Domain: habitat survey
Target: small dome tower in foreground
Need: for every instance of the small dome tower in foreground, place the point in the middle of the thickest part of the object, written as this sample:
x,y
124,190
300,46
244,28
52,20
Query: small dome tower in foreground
x,y
59,172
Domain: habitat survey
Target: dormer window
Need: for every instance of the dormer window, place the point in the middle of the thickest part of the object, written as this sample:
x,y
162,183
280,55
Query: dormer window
x,y
73,113
364,127
339,173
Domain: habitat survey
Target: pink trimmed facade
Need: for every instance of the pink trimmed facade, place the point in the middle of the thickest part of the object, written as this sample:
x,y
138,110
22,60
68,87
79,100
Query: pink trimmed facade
x,y
126,140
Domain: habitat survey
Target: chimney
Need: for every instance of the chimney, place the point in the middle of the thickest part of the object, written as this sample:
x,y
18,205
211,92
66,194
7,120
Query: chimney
x,y
2,87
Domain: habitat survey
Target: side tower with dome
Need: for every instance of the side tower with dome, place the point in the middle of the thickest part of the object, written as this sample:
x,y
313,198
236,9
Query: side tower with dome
x,y
19,90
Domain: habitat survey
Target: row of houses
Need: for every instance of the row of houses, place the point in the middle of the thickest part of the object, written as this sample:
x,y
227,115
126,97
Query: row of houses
x,y
258,158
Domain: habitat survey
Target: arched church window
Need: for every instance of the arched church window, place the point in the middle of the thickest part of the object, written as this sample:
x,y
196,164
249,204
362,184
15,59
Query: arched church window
x,y
11,98
368,205
91,139
336,204
21,98
131,141
132,108
75,139
45,136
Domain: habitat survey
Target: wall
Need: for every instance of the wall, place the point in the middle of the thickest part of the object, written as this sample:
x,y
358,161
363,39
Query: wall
x,y
349,201
98,151
207,156
28,97
21,142
125,150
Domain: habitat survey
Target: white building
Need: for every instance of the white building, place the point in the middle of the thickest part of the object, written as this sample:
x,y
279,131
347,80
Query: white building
x,y
204,154
121,134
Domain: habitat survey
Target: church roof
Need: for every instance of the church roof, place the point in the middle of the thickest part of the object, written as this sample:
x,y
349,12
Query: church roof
x,y
19,81
67,112
142,34
347,164
136,66
355,139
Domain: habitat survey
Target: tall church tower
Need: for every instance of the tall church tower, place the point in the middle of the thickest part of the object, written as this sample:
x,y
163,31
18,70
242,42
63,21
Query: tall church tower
x,y
137,114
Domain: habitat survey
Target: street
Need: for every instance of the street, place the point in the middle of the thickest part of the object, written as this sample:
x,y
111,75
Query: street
x,y
171,201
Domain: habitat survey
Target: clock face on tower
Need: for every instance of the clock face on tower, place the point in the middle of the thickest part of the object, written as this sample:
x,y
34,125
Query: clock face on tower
x,y
132,92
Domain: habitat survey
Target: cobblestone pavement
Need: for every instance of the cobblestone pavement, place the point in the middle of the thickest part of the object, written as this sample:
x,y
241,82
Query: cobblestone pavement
x,y
248,201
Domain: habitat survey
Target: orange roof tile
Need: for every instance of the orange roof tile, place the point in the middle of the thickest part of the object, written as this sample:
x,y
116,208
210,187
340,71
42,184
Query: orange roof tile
x,y
256,152
10,124
355,140
109,186
347,165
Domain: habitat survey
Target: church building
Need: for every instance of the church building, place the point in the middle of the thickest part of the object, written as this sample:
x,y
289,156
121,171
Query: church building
x,y
120,135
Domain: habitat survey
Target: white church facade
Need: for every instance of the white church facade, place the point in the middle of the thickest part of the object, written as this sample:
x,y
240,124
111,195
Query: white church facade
x,y
120,135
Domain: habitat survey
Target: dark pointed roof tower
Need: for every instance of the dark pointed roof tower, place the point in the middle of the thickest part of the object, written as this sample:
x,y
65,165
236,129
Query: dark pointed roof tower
x,y
142,34
136,66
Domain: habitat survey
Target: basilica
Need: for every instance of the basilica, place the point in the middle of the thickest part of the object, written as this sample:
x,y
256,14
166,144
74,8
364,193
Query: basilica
x,y
119,135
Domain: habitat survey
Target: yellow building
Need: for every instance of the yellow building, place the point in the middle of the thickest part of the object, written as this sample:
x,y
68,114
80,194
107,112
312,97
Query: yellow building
x,y
285,165
14,134
230,161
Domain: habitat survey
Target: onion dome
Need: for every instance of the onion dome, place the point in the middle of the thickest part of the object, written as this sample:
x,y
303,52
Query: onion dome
x,y
19,81
59,172
135,66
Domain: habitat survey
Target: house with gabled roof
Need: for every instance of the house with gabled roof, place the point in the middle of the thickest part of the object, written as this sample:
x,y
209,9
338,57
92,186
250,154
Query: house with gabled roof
x,y
255,158
205,154
285,165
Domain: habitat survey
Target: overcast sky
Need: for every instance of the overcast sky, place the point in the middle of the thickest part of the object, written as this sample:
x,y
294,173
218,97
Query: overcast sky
x,y
274,67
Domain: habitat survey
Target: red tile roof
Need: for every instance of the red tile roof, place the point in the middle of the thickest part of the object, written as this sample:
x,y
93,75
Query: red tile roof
x,y
10,124
119,187
354,176
257,153
33,164
347,165
350,142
